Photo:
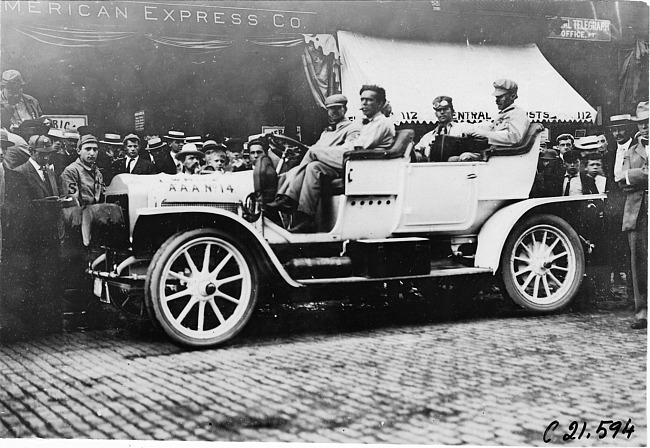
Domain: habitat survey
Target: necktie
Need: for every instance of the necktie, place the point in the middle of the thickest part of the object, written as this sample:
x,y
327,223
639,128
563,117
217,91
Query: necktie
x,y
51,190
365,121
128,166
568,185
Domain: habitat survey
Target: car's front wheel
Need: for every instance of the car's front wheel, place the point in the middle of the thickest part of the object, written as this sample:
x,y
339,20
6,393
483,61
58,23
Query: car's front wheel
x,y
543,263
202,287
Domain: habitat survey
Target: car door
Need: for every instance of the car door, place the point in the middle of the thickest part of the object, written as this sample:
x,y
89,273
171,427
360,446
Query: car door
x,y
438,196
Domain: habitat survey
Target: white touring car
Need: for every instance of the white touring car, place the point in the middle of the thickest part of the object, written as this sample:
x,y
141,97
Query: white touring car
x,y
195,254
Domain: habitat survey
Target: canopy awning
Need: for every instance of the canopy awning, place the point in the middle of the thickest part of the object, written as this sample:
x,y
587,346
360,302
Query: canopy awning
x,y
414,73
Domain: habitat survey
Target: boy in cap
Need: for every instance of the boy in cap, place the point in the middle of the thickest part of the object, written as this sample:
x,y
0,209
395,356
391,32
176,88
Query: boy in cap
x,y
634,181
15,104
511,124
575,182
82,179
594,169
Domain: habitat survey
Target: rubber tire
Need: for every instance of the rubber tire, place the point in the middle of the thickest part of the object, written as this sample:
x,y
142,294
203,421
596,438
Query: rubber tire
x,y
155,271
561,226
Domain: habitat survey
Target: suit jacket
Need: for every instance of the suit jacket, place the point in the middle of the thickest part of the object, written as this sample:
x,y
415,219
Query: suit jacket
x,y
142,166
635,166
30,222
14,157
162,161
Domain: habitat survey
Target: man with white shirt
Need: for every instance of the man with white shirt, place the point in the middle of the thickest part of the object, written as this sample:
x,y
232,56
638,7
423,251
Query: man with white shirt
x,y
634,181
132,163
33,245
375,132
444,108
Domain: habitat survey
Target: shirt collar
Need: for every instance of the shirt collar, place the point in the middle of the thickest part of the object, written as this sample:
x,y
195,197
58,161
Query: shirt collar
x,y
34,163
507,109
78,162
373,117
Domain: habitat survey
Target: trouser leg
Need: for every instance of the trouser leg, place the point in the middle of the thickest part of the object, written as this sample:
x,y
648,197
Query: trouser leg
x,y
638,240
310,192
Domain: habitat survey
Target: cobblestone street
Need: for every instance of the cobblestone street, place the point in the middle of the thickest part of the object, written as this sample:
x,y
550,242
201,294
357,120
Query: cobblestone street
x,y
337,373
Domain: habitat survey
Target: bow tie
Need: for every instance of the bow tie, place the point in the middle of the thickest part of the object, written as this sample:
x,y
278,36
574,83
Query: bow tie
x,y
365,121
331,127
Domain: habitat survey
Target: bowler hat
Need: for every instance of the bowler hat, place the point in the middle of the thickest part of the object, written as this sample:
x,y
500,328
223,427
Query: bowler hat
x,y
502,86
620,120
442,101
641,112
210,145
189,149
549,154
336,100
41,143
175,135
155,143
4,138
112,139
11,75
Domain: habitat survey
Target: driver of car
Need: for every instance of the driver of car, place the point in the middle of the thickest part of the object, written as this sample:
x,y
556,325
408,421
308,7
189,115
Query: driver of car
x,y
444,107
510,126
303,192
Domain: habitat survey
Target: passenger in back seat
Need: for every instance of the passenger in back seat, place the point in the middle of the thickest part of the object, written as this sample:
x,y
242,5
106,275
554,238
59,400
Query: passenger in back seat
x,y
302,192
510,126
446,125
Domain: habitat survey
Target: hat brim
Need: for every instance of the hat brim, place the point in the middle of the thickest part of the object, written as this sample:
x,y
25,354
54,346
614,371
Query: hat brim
x,y
173,138
335,105
639,119
619,125
499,92
182,154
104,142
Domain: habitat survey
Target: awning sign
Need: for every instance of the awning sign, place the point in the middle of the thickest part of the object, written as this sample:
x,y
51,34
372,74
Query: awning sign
x,y
584,29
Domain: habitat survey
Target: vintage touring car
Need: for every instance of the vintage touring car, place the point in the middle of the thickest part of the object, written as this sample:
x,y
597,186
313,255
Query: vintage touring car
x,y
196,254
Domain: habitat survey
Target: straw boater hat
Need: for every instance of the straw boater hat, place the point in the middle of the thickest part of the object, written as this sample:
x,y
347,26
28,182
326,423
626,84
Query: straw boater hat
x,y
189,149
589,143
112,139
196,139
55,133
155,143
619,120
641,112
175,135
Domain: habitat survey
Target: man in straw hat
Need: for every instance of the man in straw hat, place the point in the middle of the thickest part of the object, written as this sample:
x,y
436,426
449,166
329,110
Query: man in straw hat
x,y
634,181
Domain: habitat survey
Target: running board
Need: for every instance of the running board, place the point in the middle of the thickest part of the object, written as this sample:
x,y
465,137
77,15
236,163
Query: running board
x,y
434,273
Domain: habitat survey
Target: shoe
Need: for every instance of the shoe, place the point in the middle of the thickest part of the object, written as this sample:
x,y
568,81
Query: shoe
x,y
304,223
639,324
283,203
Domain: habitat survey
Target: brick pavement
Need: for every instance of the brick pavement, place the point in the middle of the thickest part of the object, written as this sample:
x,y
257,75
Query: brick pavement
x,y
483,381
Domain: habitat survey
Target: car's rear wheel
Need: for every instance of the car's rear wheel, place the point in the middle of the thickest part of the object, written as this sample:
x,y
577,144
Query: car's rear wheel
x,y
202,287
543,263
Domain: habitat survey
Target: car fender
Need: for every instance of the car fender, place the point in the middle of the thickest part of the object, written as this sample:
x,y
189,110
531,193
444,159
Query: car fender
x,y
495,231
144,214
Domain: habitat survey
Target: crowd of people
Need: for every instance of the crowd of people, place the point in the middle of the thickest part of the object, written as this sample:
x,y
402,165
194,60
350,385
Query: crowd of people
x,y
47,173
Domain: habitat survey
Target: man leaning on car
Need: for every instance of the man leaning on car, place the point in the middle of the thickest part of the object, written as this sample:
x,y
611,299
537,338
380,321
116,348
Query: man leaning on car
x,y
510,126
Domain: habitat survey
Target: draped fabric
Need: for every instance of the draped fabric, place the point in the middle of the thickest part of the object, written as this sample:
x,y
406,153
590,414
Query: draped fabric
x,y
320,57
633,77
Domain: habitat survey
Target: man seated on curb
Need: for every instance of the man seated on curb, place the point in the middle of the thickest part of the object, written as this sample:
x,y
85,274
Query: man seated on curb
x,y
510,126
303,192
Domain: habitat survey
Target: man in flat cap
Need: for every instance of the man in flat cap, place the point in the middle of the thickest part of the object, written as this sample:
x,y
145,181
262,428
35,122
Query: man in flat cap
x,y
634,182
132,163
510,126
82,179
33,297
338,131
444,108
14,103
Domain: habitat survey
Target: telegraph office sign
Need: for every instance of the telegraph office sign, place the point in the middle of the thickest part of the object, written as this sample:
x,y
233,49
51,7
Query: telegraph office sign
x,y
584,29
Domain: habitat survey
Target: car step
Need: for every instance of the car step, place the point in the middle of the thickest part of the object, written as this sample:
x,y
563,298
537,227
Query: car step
x,y
446,272
319,267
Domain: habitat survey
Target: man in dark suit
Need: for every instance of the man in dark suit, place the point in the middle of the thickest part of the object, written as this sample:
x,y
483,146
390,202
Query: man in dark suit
x,y
32,302
158,153
634,181
132,163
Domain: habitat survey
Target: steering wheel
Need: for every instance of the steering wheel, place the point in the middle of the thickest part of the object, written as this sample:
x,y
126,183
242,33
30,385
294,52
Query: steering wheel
x,y
290,151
